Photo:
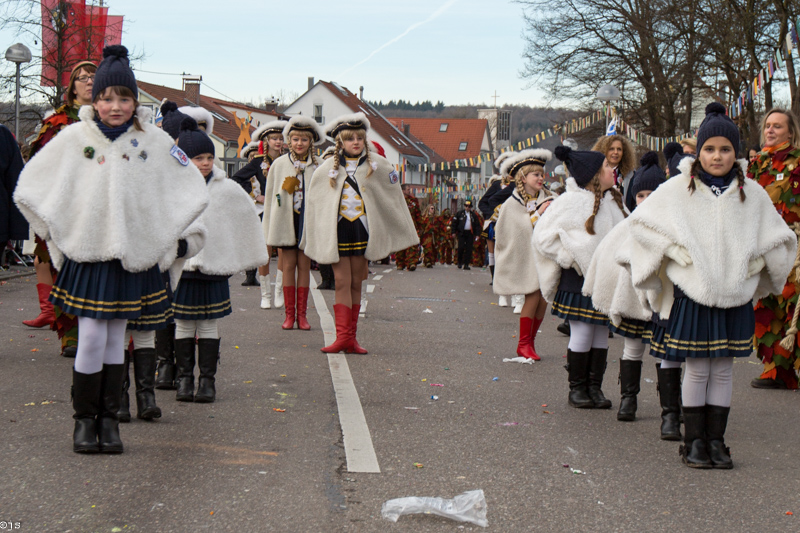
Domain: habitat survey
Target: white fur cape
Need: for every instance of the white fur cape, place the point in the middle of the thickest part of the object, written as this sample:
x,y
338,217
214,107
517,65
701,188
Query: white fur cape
x,y
608,280
515,268
278,220
560,238
389,222
131,200
721,234
234,241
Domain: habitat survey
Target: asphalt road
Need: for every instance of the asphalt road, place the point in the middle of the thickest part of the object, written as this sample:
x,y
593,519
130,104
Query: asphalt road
x,y
240,465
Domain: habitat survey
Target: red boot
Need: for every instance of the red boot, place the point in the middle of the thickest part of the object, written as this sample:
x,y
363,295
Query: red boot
x,y
344,339
289,302
302,306
534,330
353,326
524,345
47,315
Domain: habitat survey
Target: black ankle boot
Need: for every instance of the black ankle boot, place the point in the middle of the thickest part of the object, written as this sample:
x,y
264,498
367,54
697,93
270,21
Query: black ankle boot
x,y
563,328
184,361
207,357
250,279
326,273
491,269
630,374
716,423
597,368
578,368
693,451
107,421
86,403
669,392
124,413
144,372
165,356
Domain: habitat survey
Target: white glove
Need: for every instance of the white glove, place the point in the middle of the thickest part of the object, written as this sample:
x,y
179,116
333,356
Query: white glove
x,y
577,269
679,254
755,266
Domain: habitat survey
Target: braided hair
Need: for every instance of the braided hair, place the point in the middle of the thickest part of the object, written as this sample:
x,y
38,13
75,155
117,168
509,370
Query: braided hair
x,y
697,168
519,181
598,196
346,135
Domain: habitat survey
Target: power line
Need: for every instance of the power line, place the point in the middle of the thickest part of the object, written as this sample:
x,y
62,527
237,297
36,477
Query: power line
x,y
223,94
161,73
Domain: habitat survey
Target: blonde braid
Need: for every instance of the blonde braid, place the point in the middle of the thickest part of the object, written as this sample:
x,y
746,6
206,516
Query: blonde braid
x,y
336,155
520,186
598,195
369,159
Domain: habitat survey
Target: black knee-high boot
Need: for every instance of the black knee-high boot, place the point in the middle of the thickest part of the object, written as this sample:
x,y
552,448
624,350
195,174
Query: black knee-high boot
x,y
630,375
207,357
716,423
124,413
165,355
107,420
669,393
250,279
597,369
184,360
694,451
144,372
578,368
86,403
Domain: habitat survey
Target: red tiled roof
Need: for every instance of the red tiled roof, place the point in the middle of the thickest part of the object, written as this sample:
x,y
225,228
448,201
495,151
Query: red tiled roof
x,y
446,143
378,122
227,131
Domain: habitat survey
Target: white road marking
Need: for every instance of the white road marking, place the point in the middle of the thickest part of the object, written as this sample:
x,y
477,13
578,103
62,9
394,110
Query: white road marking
x,y
370,288
359,451
363,311
387,270
378,277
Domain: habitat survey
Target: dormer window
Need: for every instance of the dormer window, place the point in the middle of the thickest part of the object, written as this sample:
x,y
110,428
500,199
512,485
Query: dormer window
x,y
443,126
462,147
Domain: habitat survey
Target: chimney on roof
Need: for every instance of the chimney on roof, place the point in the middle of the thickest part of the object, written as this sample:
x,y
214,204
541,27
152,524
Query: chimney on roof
x,y
361,93
406,129
310,82
191,86
271,105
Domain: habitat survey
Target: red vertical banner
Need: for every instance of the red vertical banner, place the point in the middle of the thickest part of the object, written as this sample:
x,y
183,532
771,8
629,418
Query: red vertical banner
x,y
113,30
95,32
63,39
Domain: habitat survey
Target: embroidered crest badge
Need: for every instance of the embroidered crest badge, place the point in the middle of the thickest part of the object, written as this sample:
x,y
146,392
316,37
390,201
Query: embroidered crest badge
x,y
180,155
394,177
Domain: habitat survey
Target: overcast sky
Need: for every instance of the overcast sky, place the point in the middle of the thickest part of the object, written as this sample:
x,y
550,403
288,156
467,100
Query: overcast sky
x,y
456,51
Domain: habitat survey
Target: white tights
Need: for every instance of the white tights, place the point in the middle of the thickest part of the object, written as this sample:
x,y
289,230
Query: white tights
x,y
632,349
670,364
100,342
206,329
708,381
583,337
143,339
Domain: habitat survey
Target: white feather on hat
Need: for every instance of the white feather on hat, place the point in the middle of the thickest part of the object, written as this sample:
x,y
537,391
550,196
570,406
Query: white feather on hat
x,y
302,123
534,156
200,115
353,121
248,148
274,126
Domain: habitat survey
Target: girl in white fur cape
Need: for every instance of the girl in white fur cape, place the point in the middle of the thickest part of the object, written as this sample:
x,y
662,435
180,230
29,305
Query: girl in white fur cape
x,y
703,246
515,270
356,212
285,211
564,242
233,243
112,196
609,284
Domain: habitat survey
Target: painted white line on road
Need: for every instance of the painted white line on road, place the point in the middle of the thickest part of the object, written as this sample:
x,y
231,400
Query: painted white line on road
x,y
370,288
378,277
363,311
387,270
359,451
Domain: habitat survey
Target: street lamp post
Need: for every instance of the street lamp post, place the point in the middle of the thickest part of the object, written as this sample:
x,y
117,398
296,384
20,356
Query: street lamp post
x,y
608,94
18,53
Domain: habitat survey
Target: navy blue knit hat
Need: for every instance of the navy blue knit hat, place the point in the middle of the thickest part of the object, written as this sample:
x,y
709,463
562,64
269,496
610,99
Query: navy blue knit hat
x,y
582,165
671,149
717,124
649,176
674,161
114,71
193,140
171,119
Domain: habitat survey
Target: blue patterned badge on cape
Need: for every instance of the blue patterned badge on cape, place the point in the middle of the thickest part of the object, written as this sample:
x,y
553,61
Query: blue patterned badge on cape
x,y
180,155
394,177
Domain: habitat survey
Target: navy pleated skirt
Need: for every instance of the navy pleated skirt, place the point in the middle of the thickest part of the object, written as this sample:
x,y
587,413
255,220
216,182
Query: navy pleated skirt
x,y
488,233
107,291
353,237
697,330
630,328
576,306
654,335
151,323
200,299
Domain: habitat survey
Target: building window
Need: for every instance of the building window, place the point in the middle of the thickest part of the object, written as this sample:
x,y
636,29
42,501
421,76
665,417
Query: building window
x,y
318,113
443,126
462,147
504,125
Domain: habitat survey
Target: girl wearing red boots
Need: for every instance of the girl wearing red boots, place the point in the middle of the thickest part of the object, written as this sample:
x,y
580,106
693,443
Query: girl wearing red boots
x,y
515,271
285,210
361,192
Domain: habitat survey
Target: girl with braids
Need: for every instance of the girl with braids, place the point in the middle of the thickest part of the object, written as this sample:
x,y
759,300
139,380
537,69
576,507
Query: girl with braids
x,y
356,212
702,247
564,242
284,212
515,271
